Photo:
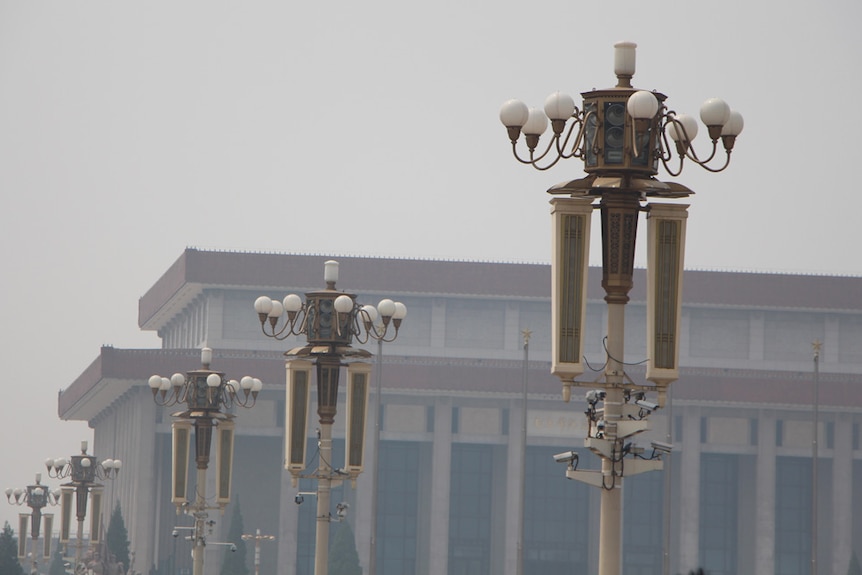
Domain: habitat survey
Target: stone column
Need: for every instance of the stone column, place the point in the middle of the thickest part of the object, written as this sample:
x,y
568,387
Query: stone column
x,y
441,464
764,485
842,495
688,489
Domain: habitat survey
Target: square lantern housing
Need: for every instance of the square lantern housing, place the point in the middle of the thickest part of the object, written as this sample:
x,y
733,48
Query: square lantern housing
x,y
665,258
569,269
358,383
609,142
297,415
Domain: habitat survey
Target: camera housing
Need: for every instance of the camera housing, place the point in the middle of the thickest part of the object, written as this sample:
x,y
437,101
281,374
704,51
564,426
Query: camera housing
x,y
648,405
298,499
565,457
661,446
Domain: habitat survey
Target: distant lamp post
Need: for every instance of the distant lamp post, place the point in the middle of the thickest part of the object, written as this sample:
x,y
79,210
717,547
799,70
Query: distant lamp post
x,y
84,470
257,538
622,135
330,320
205,393
36,497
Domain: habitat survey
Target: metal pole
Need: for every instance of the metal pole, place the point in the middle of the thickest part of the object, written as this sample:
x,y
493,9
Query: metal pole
x,y
200,522
523,479
34,552
257,552
814,440
372,558
79,542
324,486
610,522
668,485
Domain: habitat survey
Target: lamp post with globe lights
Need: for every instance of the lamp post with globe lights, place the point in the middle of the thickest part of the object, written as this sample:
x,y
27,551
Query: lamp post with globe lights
x,y
204,393
84,471
331,321
622,135
36,497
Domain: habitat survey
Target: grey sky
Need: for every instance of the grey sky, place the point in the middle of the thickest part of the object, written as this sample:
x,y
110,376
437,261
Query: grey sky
x,y
130,130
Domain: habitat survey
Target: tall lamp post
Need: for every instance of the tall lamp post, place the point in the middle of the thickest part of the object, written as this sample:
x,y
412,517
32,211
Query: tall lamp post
x,y
816,346
257,538
36,497
622,135
84,471
330,320
205,393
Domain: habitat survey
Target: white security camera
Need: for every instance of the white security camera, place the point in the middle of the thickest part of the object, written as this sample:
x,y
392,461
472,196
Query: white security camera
x,y
661,446
298,499
565,457
233,548
647,404
341,510
595,395
175,533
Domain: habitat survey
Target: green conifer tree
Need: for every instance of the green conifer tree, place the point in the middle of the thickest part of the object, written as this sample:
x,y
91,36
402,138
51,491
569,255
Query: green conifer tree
x,y
117,538
9,564
343,558
235,562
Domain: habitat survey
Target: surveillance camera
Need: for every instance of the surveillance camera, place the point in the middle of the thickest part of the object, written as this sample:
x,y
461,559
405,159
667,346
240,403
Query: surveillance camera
x,y
233,548
647,404
595,395
341,509
565,456
299,499
175,533
661,446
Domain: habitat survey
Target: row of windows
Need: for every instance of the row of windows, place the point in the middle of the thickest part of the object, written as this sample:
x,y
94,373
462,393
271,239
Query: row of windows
x,y
790,433
477,324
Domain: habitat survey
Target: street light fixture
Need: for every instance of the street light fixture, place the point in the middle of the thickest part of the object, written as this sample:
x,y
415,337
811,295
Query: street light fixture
x,y
205,393
84,471
36,497
622,135
257,538
330,320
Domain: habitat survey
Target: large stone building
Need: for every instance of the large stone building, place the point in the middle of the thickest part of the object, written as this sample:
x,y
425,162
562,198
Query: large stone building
x,y
739,490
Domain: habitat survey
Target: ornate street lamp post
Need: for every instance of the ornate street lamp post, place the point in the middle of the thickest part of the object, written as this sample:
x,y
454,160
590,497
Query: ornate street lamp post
x,y
36,497
257,538
204,392
84,471
330,321
622,135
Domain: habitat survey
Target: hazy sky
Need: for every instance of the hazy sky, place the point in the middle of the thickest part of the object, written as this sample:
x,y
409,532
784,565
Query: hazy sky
x,y
131,130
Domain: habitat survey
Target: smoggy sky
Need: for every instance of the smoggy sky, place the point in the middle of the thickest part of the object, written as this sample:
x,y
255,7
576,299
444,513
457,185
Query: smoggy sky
x,y
131,130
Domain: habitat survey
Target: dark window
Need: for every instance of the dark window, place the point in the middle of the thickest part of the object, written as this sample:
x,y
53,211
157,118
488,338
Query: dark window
x,y
397,508
718,513
556,515
470,510
855,436
792,516
643,526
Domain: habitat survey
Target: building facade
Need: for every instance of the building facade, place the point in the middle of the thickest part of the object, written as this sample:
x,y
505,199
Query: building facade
x,y
735,497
